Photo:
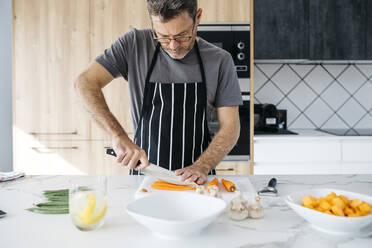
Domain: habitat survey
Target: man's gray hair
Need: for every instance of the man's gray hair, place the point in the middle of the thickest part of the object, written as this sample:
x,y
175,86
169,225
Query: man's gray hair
x,y
168,9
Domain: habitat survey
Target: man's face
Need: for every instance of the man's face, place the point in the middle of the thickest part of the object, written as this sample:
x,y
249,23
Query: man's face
x,y
180,26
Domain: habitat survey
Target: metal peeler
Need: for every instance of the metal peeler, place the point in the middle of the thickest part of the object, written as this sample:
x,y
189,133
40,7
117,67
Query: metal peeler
x,y
270,189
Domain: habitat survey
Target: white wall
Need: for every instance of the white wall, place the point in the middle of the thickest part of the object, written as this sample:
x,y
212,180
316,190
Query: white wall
x,y
6,149
318,96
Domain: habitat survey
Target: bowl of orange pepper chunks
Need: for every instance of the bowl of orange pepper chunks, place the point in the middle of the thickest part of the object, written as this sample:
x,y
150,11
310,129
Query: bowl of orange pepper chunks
x,y
332,210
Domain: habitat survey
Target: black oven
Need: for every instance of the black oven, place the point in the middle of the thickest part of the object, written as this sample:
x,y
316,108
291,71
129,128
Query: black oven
x,y
234,38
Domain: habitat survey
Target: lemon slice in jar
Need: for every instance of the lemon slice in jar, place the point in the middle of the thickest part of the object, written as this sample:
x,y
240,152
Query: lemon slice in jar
x,y
86,216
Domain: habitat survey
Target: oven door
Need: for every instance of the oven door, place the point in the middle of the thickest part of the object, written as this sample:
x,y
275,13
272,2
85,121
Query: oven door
x,y
220,38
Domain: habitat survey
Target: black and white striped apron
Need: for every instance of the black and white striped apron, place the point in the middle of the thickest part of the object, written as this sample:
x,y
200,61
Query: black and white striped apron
x,y
173,129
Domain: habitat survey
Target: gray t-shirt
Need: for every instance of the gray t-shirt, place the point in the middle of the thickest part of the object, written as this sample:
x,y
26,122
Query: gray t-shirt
x,y
130,56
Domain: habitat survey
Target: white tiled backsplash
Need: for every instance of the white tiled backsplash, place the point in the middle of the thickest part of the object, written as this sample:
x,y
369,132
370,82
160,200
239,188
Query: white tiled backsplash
x,y
318,96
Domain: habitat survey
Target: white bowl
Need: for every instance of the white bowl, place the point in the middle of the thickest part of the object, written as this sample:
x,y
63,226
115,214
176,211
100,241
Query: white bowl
x,y
176,215
325,222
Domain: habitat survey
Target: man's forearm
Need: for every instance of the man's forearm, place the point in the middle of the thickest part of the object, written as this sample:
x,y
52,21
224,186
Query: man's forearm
x,y
221,145
95,103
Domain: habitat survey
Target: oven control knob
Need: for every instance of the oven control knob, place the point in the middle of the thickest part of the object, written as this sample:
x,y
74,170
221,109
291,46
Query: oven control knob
x,y
241,56
241,45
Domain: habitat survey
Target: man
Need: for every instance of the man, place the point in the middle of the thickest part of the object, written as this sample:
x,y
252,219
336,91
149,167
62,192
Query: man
x,y
175,81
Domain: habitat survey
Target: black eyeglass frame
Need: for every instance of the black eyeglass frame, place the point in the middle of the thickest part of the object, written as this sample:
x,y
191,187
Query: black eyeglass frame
x,y
167,40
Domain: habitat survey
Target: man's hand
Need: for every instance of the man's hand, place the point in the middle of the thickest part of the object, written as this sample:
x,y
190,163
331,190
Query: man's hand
x,y
221,144
128,154
194,173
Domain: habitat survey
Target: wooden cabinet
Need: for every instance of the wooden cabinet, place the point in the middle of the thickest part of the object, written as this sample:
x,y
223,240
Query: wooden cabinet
x,y
53,42
225,10
51,47
338,29
313,29
281,29
233,168
66,158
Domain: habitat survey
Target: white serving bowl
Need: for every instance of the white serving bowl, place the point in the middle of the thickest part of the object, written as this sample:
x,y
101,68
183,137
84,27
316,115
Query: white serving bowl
x,y
176,215
325,222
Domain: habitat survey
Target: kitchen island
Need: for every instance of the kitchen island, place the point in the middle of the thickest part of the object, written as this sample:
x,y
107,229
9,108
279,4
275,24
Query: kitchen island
x,y
280,226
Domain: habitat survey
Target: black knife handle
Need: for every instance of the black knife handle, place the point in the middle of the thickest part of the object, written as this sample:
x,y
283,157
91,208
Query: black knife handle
x,y
272,182
111,152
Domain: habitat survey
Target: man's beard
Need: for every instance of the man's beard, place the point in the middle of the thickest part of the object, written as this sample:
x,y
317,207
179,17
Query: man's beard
x,y
185,50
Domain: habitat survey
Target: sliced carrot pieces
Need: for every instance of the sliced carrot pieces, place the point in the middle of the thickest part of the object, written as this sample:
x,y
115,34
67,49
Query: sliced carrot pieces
x,y
213,182
229,186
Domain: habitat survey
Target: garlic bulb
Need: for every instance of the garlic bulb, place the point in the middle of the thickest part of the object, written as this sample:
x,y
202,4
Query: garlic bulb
x,y
238,207
214,191
256,210
200,190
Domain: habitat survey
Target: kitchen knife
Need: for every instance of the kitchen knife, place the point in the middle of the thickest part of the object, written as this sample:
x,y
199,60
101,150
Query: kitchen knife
x,y
158,172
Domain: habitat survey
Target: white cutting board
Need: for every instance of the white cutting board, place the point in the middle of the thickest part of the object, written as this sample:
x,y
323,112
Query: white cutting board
x,y
242,184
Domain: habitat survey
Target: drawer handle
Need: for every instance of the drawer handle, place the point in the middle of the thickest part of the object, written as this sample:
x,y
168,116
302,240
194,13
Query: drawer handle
x,y
49,148
54,133
229,169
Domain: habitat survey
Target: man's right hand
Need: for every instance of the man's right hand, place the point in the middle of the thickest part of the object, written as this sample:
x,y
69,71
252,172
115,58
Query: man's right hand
x,y
128,153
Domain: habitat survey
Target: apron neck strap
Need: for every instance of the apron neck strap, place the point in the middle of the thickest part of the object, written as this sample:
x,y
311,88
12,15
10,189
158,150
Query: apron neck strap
x,y
200,62
153,61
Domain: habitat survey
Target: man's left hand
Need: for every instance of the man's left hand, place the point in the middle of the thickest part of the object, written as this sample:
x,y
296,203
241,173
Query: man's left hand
x,y
194,173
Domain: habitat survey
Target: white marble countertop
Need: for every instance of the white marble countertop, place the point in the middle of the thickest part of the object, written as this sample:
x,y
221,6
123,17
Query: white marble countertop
x,y
280,226
308,134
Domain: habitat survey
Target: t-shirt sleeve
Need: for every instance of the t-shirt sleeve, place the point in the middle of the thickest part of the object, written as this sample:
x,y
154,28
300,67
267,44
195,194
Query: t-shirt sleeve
x,y
228,89
115,59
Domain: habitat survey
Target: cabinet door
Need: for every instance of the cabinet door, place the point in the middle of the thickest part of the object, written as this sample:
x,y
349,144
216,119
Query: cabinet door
x,y
65,158
281,29
297,168
51,47
297,156
225,10
369,31
356,156
298,151
338,29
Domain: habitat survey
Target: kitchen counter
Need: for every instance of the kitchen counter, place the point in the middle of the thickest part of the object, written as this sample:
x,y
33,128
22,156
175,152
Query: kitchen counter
x,y
308,134
280,226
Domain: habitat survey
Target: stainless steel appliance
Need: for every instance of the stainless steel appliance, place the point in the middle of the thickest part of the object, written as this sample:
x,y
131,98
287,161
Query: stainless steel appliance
x,y
347,132
234,38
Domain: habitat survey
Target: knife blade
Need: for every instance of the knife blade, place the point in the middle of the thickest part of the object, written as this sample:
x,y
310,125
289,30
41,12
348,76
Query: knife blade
x,y
158,172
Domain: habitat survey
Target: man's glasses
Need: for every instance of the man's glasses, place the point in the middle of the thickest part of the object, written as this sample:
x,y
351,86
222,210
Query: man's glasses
x,y
167,40
179,39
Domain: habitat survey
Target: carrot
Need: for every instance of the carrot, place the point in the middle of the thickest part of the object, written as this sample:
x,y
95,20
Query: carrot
x,y
229,186
162,185
213,182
